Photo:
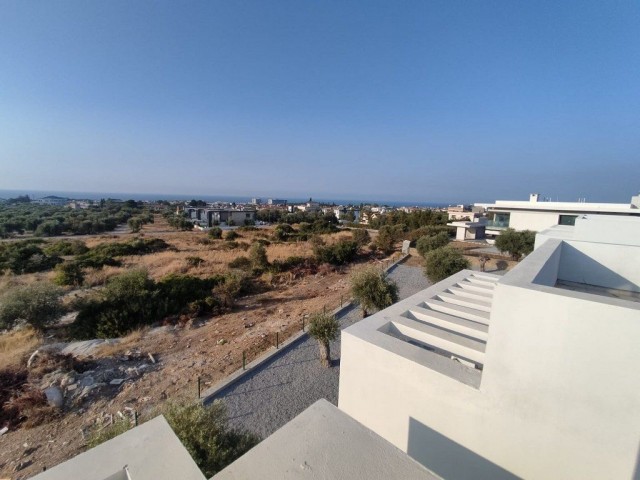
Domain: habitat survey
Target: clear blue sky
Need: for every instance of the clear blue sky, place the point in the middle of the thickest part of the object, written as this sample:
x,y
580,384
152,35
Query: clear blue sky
x,y
418,100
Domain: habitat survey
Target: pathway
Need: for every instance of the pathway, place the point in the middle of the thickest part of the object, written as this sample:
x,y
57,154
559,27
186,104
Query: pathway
x,y
275,393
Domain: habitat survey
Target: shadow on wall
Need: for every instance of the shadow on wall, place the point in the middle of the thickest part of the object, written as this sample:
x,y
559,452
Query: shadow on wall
x,y
449,459
575,266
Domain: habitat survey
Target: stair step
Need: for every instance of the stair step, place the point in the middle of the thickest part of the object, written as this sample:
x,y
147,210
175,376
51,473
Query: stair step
x,y
475,286
450,322
457,310
486,277
479,281
452,343
465,292
474,303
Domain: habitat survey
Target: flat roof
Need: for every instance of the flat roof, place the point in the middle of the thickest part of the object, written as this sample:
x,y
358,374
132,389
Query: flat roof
x,y
323,442
150,451
577,207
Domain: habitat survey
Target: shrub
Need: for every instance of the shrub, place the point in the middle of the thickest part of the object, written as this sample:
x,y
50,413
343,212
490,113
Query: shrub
x,y
337,254
26,257
204,432
39,305
215,232
387,237
194,261
289,263
282,232
428,231
361,237
372,289
66,247
258,257
444,262
324,328
516,243
69,273
231,235
240,263
428,243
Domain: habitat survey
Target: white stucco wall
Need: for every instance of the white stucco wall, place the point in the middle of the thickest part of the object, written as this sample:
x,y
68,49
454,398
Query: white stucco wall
x,y
559,395
536,221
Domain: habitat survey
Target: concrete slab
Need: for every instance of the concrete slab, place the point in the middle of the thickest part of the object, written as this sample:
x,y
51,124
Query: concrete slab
x,y
148,452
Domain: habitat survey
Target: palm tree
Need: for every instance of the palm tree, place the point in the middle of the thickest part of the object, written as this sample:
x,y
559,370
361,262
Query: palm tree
x,y
373,290
324,328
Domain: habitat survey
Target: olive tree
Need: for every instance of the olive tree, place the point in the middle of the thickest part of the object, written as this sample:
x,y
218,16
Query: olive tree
x,y
324,328
444,262
428,243
516,243
372,289
39,305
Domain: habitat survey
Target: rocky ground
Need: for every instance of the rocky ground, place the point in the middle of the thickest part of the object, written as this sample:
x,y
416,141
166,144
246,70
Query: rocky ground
x,y
150,367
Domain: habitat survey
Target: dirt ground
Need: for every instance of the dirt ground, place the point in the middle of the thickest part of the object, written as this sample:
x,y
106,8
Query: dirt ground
x,y
209,348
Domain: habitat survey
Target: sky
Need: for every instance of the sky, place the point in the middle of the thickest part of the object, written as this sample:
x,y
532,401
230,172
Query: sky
x,y
426,100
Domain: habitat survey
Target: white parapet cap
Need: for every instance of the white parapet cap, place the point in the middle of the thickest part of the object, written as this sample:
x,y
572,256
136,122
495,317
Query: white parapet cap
x,y
148,452
321,443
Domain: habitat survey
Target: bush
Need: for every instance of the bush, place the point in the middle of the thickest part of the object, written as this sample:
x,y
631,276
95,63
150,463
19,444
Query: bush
x,y
387,237
216,233
282,232
361,237
66,247
444,262
428,231
428,243
324,328
39,305
231,235
205,433
372,289
26,257
240,263
516,243
258,257
338,254
69,273
289,263
194,261
178,291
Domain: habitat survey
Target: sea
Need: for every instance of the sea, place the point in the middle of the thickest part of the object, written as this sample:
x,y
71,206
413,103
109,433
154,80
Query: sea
x,y
35,194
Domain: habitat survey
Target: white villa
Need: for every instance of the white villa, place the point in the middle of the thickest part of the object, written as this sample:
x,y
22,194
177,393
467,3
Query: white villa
x,y
538,215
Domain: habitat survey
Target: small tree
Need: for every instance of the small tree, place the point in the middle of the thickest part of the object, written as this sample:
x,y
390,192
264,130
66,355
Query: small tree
x,y
216,233
258,257
324,328
205,433
516,243
361,237
135,224
373,290
444,262
39,305
231,235
428,243
69,273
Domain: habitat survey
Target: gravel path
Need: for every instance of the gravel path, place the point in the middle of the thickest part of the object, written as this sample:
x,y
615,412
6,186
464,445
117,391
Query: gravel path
x,y
266,399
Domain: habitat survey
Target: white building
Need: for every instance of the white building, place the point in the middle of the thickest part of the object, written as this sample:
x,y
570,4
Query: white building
x,y
531,375
537,214
52,200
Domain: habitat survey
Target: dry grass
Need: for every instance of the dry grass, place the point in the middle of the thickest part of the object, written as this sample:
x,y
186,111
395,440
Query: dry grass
x,y
16,345
125,343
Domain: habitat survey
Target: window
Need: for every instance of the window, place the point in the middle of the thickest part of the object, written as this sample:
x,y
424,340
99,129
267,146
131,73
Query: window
x,y
247,215
567,220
